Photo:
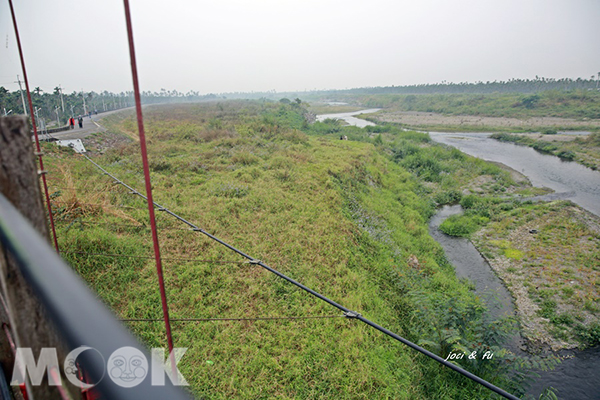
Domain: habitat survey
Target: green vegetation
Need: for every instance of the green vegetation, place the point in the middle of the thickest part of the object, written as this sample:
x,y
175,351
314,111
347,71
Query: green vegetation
x,y
347,218
79,103
584,150
565,104
553,266
462,225
557,264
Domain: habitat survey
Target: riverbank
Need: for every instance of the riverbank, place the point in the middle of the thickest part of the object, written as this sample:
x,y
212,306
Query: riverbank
x,y
583,150
476,123
548,256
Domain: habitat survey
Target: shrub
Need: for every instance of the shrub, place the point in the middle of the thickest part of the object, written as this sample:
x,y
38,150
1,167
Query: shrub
x,y
549,131
544,147
589,334
424,166
566,155
449,197
462,225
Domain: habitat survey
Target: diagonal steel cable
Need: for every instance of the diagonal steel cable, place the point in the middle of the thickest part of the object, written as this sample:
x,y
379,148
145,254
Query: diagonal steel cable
x,y
347,312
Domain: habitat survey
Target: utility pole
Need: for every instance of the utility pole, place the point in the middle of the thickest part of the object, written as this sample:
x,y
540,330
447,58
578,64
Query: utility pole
x,y
103,105
22,97
62,101
84,108
57,120
72,114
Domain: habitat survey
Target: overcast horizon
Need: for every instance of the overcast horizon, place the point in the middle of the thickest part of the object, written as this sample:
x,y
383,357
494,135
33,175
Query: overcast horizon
x,y
240,46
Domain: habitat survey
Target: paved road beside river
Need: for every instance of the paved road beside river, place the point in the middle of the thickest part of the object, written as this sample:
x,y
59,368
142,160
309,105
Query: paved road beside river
x,y
90,126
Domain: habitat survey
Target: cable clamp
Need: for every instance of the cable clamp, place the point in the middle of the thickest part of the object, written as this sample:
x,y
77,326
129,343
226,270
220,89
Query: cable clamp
x,y
196,229
134,192
162,209
351,314
254,261
41,172
39,153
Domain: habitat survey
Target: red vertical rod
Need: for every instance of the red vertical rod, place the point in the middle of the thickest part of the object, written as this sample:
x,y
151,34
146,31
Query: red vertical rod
x,y
140,120
35,133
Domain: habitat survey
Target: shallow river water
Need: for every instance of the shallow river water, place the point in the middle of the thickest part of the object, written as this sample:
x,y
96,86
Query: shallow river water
x,y
350,118
577,183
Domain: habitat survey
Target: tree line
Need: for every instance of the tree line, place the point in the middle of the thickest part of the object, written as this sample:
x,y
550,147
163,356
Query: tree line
x,y
55,108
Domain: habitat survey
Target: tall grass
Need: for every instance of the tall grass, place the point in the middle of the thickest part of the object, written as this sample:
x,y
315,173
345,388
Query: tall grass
x,y
346,218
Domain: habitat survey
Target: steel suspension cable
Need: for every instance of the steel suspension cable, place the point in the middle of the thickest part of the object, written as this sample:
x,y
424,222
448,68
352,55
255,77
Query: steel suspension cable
x,y
35,132
347,312
152,258
234,319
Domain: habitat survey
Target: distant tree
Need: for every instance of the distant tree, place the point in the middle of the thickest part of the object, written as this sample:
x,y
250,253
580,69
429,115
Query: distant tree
x,y
530,101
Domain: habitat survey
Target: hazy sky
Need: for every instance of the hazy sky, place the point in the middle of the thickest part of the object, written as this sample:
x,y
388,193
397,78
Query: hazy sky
x,y
221,46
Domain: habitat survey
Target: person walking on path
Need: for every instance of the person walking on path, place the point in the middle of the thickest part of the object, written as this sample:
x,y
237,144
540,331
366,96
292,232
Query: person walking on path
x,y
72,123
80,120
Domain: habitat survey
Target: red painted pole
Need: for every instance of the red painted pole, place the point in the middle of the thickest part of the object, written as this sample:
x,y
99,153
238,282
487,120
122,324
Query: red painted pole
x,y
35,133
140,120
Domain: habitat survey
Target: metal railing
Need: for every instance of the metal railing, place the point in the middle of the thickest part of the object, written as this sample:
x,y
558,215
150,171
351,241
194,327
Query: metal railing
x,y
79,317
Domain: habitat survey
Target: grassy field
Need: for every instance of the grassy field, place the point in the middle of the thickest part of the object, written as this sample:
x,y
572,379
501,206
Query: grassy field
x,y
584,150
577,104
346,218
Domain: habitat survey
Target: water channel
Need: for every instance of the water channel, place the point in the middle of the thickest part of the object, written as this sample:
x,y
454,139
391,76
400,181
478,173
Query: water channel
x,y
577,377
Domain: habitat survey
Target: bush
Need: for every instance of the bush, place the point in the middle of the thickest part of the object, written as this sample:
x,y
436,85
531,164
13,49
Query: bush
x,y
462,225
549,131
594,138
589,334
544,147
403,149
424,166
449,197
566,155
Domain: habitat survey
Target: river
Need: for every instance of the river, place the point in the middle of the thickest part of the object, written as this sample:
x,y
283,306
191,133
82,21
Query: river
x,y
575,182
577,377
350,118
